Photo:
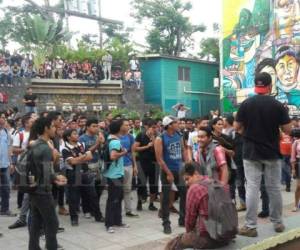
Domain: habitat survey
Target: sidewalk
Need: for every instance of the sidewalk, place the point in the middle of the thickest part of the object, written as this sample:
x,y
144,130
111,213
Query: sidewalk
x,y
144,233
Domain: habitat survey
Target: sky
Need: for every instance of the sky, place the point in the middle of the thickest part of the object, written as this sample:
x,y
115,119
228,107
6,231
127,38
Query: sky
x,y
203,12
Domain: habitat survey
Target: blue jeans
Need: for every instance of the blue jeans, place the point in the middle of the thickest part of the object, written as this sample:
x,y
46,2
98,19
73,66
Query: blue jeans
x,y
286,171
4,189
29,109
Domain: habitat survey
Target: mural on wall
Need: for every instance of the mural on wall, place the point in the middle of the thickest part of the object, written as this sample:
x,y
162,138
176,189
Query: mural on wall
x,y
261,36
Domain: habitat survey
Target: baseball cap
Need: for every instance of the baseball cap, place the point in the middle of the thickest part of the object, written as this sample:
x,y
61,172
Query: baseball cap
x,y
262,82
167,120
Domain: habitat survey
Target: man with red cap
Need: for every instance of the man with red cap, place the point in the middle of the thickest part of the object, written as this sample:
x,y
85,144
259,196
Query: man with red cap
x,y
259,119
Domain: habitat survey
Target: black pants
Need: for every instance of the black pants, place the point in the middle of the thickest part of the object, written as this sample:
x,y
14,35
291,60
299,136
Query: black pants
x,y
58,194
20,199
232,183
241,183
113,212
88,194
264,196
43,213
166,188
148,172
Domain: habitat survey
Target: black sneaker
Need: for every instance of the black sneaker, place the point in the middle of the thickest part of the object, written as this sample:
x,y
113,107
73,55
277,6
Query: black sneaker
x,y
60,230
152,207
139,206
17,224
263,214
288,189
167,229
74,223
101,219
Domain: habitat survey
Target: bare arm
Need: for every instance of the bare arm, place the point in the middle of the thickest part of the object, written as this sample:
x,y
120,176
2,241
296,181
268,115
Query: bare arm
x,y
224,174
80,159
115,155
159,155
138,148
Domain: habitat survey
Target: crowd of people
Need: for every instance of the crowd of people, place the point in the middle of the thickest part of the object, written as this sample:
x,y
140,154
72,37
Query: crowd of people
x,y
14,67
72,160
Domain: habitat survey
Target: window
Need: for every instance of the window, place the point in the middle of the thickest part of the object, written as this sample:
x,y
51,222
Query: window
x,y
184,74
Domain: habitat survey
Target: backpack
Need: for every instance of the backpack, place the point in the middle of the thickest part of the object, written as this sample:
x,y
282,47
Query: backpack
x,y
27,174
106,154
222,222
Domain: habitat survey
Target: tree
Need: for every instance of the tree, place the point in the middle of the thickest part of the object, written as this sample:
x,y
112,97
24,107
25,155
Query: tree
x,y
6,27
116,31
210,48
39,35
171,31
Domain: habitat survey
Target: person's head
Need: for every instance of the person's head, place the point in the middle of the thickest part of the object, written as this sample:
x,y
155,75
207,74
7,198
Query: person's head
x,y
92,127
44,126
73,124
217,125
182,124
82,121
130,123
27,122
109,117
267,65
137,123
2,119
202,122
151,127
192,173
170,123
181,107
56,117
29,91
287,67
18,122
295,122
115,126
228,121
60,132
125,127
70,135
204,136
189,124
102,125
44,114
11,123
263,83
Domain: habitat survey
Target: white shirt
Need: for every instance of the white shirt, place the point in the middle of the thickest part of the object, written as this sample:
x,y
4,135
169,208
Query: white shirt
x,y
181,114
134,64
193,142
16,139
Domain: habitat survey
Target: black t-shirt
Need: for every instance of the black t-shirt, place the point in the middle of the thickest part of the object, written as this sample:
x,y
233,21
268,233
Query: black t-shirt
x,y
261,117
73,152
31,98
148,154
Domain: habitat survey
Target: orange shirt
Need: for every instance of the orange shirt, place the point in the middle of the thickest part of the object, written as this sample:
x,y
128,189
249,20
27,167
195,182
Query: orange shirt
x,y
285,144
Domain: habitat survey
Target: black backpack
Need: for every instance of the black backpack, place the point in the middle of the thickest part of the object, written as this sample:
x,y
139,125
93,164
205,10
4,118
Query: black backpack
x,y
222,222
27,173
106,154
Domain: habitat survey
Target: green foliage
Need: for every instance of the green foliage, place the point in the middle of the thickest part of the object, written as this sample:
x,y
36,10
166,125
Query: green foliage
x,y
6,28
118,31
210,48
157,113
171,31
122,112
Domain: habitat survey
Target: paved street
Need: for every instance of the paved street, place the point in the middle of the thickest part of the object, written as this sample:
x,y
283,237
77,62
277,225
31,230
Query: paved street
x,y
144,232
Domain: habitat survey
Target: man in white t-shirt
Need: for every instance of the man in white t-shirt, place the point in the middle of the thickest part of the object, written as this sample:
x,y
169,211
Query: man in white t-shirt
x,y
134,64
106,63
192,143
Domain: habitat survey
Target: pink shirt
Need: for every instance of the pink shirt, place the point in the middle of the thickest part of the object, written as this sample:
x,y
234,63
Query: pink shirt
x,y
295,151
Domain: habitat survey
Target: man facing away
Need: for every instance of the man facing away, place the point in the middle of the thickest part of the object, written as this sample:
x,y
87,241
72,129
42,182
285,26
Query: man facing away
x,y
259,118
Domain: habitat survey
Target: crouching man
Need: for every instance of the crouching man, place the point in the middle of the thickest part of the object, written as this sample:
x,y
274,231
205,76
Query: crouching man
x,y
197,222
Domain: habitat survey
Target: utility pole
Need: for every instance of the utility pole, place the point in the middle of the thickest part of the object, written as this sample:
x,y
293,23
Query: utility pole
x,y
100,25
66,8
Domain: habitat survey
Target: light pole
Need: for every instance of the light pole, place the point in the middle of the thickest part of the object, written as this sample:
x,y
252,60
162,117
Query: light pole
x,y
100,25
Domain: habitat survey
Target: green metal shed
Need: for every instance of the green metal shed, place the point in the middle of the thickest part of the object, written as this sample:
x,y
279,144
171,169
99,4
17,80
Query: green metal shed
x,y
169,80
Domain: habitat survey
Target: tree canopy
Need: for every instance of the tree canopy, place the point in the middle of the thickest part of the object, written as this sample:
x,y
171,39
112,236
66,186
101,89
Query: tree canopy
x,y
171,31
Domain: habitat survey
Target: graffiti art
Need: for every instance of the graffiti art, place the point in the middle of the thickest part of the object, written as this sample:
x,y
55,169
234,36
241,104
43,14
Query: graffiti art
x,y
260,36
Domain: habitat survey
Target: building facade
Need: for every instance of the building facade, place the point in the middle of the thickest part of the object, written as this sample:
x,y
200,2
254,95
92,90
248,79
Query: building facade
x,y
171,80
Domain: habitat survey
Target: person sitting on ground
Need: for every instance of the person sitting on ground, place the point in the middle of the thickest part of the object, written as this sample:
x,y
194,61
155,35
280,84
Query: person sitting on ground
x,y
196,235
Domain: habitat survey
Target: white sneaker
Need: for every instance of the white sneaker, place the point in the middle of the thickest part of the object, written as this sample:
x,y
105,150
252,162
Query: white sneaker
x,y
110,230
87,216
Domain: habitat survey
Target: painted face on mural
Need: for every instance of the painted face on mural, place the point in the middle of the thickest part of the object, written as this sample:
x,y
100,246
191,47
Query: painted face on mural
x,y
286,5
287,71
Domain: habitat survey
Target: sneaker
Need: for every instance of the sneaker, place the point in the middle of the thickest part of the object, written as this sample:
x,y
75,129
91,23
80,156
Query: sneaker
x,y
132,215
152,207
167,229
139,206
288,189
87,215
241,207
74,223
17,224
100,219
247,231
263,214
110,230
279,227
60,230
8,214
63,211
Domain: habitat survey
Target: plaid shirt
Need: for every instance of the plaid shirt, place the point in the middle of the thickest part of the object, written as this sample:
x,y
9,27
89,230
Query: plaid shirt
x,y
196,209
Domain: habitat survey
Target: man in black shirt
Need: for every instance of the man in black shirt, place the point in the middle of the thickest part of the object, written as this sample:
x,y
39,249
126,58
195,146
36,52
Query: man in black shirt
x,y
30,101
259,118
